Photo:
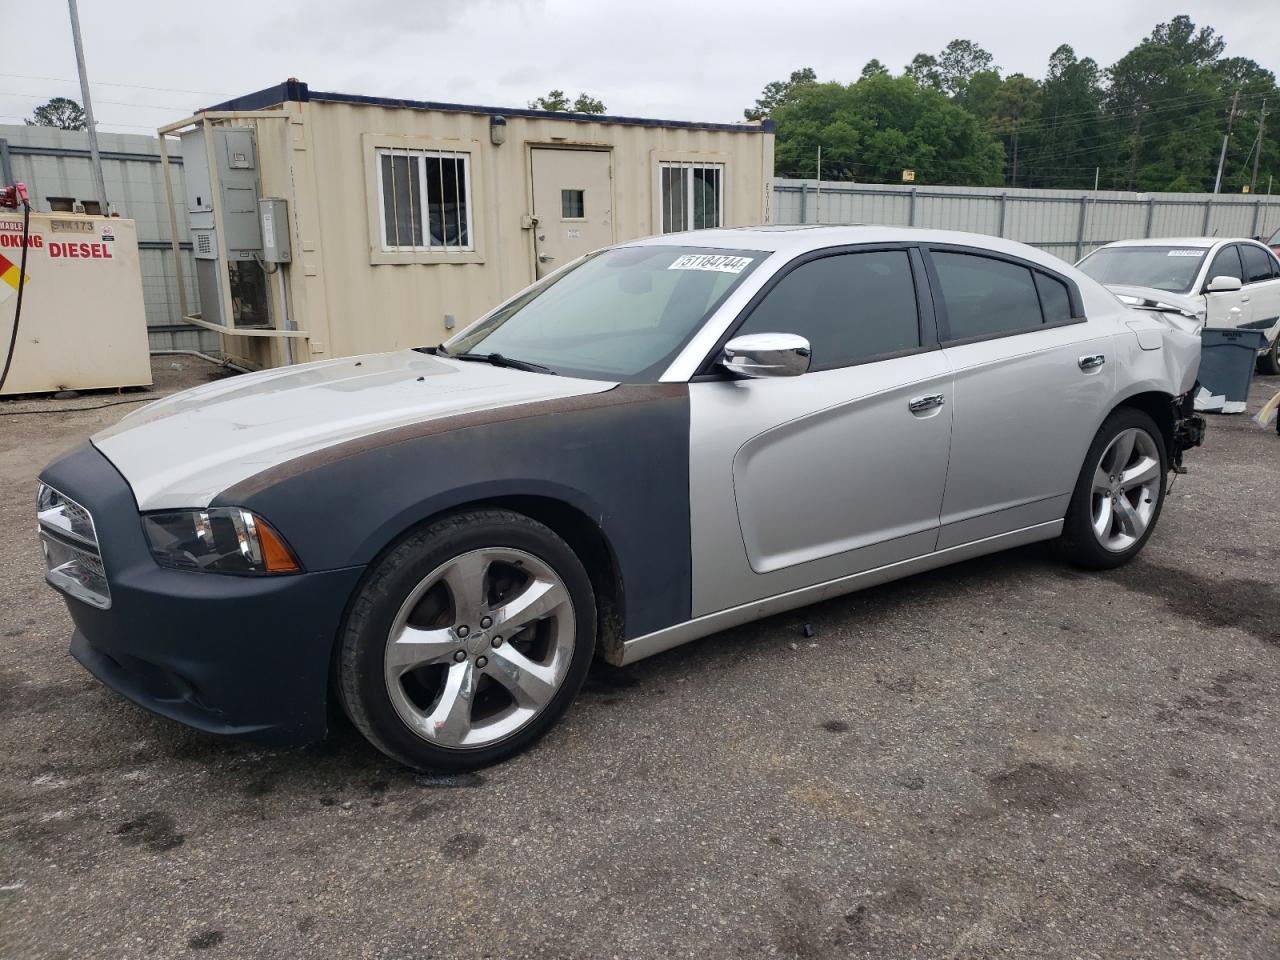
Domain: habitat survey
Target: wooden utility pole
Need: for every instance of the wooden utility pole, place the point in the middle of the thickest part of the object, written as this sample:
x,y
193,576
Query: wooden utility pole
x,y
1222,157
1257,154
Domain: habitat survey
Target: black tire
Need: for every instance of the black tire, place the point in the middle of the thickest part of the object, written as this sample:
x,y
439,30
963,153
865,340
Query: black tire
x,y
1078,543
1269,362
391,579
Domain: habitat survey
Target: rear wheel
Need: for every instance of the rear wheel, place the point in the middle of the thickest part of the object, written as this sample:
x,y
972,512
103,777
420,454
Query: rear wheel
x,y
467,641
1269,362
1119,493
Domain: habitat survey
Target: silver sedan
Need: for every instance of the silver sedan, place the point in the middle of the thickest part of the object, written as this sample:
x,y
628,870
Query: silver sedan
x,y
659,441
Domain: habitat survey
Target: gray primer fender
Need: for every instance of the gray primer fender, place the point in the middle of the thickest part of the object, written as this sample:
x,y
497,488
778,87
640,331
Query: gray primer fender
x,y
620,457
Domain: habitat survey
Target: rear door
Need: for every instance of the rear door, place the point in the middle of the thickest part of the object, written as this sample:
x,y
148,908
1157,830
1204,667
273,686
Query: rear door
x,y
799,480
1227,308
573,204
1261,287
1032,380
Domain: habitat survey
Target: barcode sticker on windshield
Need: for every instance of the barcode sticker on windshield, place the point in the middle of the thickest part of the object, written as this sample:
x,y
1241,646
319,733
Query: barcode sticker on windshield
x,y
721,263
1185,253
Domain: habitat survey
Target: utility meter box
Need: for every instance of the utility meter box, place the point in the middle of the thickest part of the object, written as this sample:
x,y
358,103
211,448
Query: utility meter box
x,y
273,216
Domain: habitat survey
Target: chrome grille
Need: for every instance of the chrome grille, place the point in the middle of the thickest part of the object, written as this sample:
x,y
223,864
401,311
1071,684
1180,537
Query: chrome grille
x,y
73,560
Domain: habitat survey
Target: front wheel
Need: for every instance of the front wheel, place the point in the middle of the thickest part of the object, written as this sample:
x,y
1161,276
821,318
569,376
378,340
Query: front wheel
x,y
1119,493
467,641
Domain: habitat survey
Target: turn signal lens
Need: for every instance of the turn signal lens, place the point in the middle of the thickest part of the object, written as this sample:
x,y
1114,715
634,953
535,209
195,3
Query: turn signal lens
x,y
218,540
275,555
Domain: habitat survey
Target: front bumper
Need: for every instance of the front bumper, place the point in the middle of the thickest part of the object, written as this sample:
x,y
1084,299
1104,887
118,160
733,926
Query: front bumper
x,y
225,654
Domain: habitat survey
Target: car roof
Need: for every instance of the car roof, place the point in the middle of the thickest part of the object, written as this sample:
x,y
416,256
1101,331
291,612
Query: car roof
x,y
1198,243
802,238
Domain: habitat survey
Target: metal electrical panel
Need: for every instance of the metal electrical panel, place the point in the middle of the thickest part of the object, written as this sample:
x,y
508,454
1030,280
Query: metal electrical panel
x,y
273,215
234,177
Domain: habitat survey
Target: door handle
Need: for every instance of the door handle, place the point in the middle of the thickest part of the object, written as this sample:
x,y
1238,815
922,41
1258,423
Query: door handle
x,y
1244,299
1091,362
920,404
545,258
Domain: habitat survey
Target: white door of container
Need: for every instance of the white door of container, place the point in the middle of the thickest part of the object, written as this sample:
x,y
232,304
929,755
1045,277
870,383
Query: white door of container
x,y
573,204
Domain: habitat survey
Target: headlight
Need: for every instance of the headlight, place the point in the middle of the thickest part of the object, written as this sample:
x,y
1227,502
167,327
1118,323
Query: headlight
x,y
219,540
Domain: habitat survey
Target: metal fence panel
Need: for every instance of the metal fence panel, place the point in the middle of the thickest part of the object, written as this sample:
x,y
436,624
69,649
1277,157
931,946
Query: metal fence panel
x,y
1067,223
55,163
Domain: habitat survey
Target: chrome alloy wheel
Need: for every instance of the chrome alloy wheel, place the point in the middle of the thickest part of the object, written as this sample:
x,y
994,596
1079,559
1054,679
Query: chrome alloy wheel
x,y
479,647
1127,484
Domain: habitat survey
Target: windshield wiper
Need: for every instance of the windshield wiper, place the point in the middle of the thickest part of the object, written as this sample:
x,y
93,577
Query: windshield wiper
x,y
498,360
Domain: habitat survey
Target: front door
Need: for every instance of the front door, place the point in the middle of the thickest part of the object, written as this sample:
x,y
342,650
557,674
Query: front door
x,y
572,204
799,480
1227,308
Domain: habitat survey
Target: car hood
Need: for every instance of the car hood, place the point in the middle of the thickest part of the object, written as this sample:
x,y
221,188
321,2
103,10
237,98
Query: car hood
x,y
183,450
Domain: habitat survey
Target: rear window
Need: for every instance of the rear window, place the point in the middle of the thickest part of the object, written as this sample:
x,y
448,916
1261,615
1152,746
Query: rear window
x,y
986,297
1054,298
1163,267
1257,263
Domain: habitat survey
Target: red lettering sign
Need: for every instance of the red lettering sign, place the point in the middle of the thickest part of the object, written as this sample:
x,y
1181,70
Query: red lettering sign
x,y
79,251
9,240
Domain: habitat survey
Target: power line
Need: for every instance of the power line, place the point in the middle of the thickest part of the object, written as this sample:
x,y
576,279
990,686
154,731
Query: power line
x,y
1183,102
108,83
101,123
117,103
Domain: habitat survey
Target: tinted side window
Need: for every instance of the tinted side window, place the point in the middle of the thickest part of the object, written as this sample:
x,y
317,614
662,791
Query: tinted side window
x,y
986,297
849,307
1257,264
1054,299
1226,264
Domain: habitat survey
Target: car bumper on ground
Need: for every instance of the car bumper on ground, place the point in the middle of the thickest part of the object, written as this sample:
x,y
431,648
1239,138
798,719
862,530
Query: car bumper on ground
x,y
224,654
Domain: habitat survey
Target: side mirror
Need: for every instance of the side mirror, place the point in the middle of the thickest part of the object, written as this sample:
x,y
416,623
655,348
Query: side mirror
x,y
1223,284
766,355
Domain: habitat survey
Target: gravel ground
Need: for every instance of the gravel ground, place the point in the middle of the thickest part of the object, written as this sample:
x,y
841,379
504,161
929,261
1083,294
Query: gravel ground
x,y
1008,758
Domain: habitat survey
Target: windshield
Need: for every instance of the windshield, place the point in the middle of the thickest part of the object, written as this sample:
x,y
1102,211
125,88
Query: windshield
x,y
1165,268
620,314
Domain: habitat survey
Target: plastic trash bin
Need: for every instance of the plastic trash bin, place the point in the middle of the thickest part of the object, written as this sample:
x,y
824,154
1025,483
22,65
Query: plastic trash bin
x,y
1227,358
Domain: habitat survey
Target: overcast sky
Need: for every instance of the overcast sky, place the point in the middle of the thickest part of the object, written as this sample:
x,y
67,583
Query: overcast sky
x,y
155,62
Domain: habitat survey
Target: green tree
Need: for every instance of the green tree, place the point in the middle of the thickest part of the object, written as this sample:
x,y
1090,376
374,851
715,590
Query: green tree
x,y
873,68
1068,140
923,69
556,102
874,129
960,60
1256,85
1166,110
60,113
1016,103
778,92
585,103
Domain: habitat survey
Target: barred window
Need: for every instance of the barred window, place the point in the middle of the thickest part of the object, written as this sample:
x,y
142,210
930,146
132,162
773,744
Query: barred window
x,y
426,200
692,195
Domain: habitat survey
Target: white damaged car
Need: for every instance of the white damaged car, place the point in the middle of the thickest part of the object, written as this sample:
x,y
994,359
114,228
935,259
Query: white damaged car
x,y
1232,283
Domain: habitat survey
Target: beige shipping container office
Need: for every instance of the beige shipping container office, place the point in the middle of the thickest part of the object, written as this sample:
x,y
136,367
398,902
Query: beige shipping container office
x,y
403,221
